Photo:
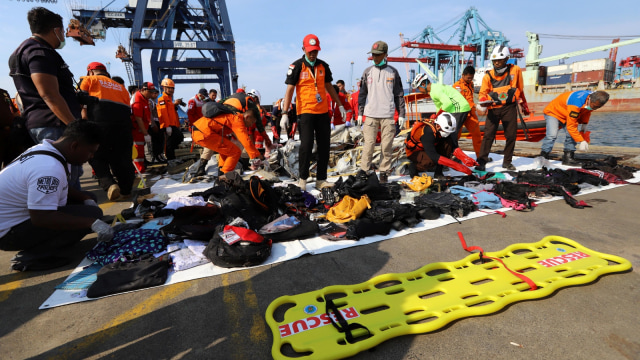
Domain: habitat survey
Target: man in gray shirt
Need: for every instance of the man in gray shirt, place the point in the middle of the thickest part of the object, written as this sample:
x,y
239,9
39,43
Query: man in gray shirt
x,y
380,96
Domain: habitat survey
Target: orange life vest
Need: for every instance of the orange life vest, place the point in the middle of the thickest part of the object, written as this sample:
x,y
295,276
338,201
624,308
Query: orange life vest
x,y
503,93
412,143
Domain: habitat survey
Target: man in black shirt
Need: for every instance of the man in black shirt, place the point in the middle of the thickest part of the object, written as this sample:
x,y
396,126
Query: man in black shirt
x,y
44,81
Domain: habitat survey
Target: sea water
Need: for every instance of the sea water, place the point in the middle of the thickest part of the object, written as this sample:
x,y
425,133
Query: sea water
x,y
613,129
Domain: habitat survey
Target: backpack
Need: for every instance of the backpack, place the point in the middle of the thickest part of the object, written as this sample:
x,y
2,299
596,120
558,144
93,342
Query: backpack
x,y
262,194
447,203
234,246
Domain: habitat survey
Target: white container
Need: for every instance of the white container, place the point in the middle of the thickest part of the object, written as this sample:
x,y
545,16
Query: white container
x,y
559,69
594,65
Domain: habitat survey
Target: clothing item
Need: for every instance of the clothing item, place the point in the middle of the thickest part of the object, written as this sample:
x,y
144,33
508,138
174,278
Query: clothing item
x,y
167,113
128,245
36,56
448,99
37,182
194,109
381,93
387,133
508,115
569,109
309,81
39,135
314,126
553,128
511,78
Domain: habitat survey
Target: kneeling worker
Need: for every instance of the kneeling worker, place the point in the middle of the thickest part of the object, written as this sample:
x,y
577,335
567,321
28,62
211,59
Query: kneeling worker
x,y
214,129
432,143
40,214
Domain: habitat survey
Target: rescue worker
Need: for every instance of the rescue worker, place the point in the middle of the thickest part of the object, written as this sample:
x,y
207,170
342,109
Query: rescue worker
x,y
445,98
259,134
336,117
341,87
569,111
157,136
194,106
213,94
141,117
431,143
277,117
502,88
213,131
112,114
465,87
311,79
380,96
168,117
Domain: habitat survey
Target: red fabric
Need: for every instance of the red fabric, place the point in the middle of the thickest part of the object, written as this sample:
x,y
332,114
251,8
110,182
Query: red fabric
x,y
245,234
194,110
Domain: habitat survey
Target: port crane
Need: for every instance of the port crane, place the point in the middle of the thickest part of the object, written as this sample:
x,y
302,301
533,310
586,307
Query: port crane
x,y
475,41
190,41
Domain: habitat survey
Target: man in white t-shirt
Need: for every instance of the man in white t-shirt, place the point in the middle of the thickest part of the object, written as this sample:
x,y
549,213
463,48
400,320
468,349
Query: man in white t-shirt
x,y
39,213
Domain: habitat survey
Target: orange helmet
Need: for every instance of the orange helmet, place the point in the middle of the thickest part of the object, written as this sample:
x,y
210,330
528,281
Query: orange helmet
x,y
168,82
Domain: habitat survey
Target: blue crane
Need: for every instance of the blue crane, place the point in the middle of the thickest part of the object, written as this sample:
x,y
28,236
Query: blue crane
x,y
189,44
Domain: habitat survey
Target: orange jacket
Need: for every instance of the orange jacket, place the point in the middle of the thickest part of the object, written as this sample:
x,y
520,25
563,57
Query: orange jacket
x,y
306,91
516,82
167,113
466,90
227,124
569,109
104,88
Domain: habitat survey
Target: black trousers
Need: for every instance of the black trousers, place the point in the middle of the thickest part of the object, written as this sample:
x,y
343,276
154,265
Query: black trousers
x,y
157,140
113,157
460,118
508,115
292,120
26,236
318,127
172,142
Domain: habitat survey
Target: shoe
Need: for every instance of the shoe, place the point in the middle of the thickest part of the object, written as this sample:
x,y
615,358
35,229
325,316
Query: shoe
x,y
24,261
302,184
383,177
438,173
321,184
480,167
114,192
544,154
202,168
508,166
568,159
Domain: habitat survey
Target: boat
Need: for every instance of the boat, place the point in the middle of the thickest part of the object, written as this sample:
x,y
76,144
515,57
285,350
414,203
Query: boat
x,y
531,128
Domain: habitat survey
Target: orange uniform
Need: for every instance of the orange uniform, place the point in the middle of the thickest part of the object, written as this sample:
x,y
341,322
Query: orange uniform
x,y
569,109
471,122
308,86
213,133
167,113
515,82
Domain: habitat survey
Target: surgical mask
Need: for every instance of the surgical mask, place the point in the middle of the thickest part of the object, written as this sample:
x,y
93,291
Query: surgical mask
x,y
382,63
588,108
312,63
62,42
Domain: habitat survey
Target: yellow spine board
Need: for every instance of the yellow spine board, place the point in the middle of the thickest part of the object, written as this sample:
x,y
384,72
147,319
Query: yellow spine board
x,y
425,300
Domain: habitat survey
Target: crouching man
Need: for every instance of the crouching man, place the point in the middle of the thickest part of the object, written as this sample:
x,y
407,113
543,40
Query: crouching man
x,y
40,215
431,143
218,126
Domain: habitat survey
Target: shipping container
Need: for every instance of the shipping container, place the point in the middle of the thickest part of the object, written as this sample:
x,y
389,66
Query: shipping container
x,y
592,76
593,65
559,69
558,79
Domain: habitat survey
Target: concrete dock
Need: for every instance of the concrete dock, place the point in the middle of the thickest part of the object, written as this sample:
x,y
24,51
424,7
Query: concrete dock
x,y
222,317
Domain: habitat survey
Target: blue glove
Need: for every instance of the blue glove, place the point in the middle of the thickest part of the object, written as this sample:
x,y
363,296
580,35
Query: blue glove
x,y
333,127
347,124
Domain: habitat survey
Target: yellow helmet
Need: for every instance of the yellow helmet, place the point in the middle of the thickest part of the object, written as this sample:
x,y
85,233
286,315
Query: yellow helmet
x,y
168,82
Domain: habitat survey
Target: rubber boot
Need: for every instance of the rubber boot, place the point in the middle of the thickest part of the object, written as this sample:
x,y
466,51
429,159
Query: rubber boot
x,y
544,154
202,168
569,159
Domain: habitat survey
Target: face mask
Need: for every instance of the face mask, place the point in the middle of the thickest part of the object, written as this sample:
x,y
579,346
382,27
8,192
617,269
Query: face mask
x,y
588,108
312,63
62,42
383,62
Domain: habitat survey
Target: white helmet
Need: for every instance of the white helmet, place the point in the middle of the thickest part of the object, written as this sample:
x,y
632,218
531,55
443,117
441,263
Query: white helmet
x,y
254,93
500,52
447,124
419,79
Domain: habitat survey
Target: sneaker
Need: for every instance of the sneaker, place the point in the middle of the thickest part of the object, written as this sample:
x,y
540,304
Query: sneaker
x,y
321,184
114,192
508,166
384,177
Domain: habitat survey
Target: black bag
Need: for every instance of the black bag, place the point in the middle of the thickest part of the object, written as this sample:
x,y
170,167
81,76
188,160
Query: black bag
x,y
245,252
305,230
127,276
447,203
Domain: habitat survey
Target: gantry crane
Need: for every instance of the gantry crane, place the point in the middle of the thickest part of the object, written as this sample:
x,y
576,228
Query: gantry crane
x,y
190,41
441,56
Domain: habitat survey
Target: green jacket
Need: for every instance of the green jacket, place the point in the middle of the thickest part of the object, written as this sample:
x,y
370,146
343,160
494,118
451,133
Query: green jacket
x,y
448,99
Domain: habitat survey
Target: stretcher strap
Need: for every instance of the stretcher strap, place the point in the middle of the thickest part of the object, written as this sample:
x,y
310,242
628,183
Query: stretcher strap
x,y
532,285
342,325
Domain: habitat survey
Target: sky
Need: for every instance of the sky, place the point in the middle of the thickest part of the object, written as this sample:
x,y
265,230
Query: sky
x,y
268,34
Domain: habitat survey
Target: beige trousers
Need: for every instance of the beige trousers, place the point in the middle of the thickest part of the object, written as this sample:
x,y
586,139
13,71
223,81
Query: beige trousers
x,y
370,131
